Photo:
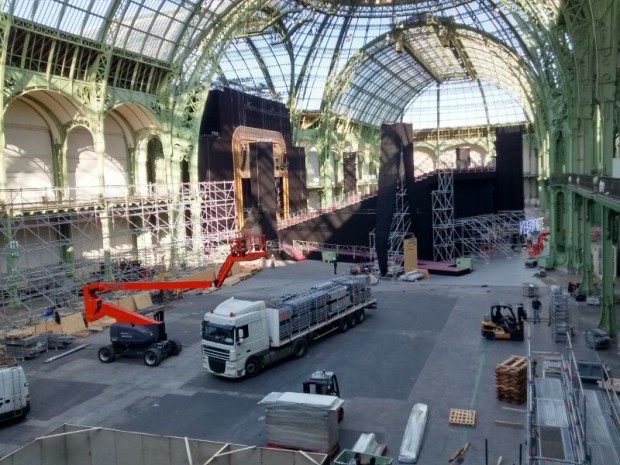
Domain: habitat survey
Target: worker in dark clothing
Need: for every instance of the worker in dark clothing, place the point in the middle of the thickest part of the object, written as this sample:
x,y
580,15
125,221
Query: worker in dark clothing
x,y
536,308
335,266
357,457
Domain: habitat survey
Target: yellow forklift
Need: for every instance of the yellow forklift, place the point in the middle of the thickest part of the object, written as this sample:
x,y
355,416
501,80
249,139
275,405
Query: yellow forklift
x,y
501,323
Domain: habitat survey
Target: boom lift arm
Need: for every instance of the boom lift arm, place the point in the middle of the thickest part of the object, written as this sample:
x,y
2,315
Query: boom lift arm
x,y
135,334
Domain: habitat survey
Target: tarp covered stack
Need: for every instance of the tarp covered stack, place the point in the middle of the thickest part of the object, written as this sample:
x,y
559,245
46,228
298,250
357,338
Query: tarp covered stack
x,y
302,421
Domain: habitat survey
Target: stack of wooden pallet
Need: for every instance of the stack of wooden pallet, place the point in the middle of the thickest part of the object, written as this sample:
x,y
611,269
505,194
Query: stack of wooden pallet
x,y
511,379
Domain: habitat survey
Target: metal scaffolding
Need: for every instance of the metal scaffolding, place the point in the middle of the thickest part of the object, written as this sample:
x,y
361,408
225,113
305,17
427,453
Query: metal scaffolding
x,y
443,218
567,424
50,247
399,230
484,235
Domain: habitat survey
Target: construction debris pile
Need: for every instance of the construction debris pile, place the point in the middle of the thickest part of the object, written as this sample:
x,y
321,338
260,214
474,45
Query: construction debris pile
x,y
511,379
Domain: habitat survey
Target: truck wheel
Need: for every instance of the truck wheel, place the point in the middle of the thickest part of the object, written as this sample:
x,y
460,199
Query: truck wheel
x,y
175,347
352,320
361,316
252,368
340,414
343,324
107,354
152,357
300,348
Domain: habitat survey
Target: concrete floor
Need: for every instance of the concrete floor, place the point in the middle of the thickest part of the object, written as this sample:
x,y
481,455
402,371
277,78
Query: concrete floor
x,y
422,344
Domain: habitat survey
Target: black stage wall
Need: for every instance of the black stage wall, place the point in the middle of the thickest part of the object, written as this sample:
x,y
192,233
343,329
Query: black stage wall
x,y
263,188
350,172
474,194
396,151
297,179
225,110
509,168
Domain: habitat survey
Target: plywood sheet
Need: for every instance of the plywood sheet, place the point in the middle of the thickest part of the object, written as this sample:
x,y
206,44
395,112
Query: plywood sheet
x,y
73,323
128,303
101,323
143,300
236,269
410,247
205,275
231,281
46,326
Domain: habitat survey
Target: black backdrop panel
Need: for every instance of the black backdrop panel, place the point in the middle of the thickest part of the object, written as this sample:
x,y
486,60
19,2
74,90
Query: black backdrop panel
x,y
225,110
297,192
263,187
396,144
474,194
389,164
350,172
509,168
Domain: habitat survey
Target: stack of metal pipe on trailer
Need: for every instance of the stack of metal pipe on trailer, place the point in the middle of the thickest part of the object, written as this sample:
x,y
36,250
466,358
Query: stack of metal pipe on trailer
x,y
298,312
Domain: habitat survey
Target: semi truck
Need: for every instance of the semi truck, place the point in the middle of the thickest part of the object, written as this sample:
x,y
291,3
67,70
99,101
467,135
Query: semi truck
x,y
240,338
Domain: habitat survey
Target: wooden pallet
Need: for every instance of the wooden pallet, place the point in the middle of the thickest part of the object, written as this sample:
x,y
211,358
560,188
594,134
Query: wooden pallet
x,y
514,364
462,417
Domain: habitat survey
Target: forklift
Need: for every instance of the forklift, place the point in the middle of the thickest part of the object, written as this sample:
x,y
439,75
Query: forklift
x,y
324,383
501,323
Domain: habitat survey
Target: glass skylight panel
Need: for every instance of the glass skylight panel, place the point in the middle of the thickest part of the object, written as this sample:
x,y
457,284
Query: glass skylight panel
x,y
464,103
48,14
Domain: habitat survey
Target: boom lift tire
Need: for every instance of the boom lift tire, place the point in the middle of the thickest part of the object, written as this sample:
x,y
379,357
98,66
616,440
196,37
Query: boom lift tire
x,y
252,367
152,357
361,316
176,347
300,348
107,354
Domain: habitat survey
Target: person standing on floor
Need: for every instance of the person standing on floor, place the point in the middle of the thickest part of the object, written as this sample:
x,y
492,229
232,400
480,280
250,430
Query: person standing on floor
x,y
335,266
536,308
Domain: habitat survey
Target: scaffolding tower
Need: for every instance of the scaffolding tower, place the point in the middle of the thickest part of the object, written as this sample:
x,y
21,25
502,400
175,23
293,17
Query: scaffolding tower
x,y
443,218
400,228
484,235
55,240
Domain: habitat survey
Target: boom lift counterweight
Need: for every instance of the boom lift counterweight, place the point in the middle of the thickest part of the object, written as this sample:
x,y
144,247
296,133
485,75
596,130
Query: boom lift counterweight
x,y
138,335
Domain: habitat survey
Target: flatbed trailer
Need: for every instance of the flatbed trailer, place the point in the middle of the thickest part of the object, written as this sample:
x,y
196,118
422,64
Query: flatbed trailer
x,y
241,338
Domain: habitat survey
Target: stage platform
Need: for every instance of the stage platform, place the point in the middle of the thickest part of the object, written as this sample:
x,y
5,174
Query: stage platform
x,y
443,268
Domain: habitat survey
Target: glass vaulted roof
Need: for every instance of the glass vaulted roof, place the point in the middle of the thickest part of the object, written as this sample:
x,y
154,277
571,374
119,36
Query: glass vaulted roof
x,y
368,60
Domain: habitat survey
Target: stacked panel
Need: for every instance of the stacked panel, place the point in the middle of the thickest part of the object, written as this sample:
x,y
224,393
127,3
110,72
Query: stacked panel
x,y
299,311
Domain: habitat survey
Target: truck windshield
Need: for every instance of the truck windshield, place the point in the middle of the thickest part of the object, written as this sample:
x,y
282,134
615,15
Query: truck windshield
x,y
218,333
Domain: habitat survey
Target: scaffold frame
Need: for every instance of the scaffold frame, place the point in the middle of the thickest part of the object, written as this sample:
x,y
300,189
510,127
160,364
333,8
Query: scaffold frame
x,y
443,218
482,236
399,229
53,241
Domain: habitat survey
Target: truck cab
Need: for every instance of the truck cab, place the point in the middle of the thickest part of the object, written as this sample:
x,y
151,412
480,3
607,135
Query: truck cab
x,y
234,336
14,392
